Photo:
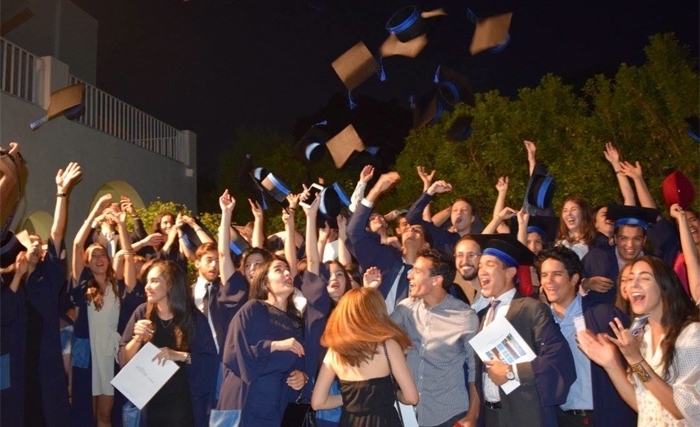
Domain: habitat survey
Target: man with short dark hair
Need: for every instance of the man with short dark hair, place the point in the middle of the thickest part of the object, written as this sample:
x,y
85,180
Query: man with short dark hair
x,y
592,399
440,327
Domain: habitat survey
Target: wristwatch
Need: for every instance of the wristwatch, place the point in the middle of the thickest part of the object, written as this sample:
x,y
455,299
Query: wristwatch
x,y
510,375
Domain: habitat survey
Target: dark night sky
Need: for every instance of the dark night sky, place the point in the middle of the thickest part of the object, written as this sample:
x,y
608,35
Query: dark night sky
x,y
211,66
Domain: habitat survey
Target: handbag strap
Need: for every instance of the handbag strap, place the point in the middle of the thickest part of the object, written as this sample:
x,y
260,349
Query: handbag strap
x,y
393,382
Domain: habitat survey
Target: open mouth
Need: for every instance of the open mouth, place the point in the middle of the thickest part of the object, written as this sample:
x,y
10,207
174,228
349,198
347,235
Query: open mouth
x,y
637,298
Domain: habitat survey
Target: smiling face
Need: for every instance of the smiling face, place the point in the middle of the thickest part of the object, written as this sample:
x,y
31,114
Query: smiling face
x,y
694,225
166,223
572,216
467,254
279,280
337,282
420,279
602,224
461,216
556,283
495,278
414,237
629,241
625,281
644,291
208,266
156,287
97,260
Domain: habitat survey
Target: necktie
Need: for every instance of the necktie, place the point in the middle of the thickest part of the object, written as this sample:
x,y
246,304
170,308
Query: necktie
x,y
492,312
205,300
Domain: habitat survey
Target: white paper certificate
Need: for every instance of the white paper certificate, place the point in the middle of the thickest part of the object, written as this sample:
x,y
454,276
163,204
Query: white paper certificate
x,y
500,340
142,377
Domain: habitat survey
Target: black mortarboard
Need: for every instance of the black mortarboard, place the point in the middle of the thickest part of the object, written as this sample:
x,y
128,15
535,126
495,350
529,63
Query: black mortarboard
x,y
311,147
506,248
237,243
12,245
275,189
69,101
491,34
407,28
545,226
190,238
333,201
250,186
694,127
632,215
343,145
540,190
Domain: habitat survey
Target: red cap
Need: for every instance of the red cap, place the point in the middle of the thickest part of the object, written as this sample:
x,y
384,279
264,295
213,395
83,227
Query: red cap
x,y
677,188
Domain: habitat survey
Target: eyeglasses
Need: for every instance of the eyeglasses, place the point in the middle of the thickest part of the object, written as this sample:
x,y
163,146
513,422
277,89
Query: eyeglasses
x,y
471,256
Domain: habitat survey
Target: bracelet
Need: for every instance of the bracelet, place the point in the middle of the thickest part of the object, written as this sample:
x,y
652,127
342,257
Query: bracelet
x,y
61,195
641,373
198,229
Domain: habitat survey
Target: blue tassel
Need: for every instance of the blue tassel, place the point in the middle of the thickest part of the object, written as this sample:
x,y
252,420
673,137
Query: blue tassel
x,y
436,79
322,123
382,75
350,101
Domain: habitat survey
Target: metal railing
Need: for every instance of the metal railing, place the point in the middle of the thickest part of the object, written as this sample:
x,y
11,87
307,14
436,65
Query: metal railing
x,y
18,67
108,114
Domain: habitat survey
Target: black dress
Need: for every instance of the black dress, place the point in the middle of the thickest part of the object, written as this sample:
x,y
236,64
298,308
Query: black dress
x,y
172,405
369,403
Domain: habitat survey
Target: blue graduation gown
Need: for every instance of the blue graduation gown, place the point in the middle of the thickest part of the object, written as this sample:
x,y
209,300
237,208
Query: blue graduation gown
x,y
42,289
255,379
201,373
442,239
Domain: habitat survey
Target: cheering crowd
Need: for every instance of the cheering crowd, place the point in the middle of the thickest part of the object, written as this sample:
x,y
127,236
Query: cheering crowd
x,y
337,321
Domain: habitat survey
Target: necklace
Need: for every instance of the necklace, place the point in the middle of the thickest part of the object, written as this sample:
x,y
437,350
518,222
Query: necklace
x,y
169,323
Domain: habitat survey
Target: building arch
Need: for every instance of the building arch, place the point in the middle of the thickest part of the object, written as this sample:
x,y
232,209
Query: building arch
x,y
119,188
39,223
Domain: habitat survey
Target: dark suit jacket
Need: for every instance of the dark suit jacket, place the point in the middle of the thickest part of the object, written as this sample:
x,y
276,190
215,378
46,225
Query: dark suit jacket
x,y
544,382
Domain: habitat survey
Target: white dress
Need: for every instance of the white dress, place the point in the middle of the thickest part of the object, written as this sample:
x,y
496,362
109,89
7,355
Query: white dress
x,y
104,342
580,248
684,379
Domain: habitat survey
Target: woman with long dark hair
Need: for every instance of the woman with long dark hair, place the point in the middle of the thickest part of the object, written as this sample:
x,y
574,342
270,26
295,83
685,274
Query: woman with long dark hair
x,y
171,322
263,352
576,227
662,382
364,347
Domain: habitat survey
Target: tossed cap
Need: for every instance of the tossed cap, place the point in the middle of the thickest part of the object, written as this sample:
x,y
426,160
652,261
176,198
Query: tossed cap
x,y
311,147
69,101
355,66
632,215
506,248
237,243
693,127
275,189
407,31
541,190
190,238
677,188
250,186
343,145
333,201
491,34
12,245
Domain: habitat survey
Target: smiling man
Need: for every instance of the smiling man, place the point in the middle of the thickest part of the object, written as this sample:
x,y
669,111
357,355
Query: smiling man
x,y
592,399
545,381
440,327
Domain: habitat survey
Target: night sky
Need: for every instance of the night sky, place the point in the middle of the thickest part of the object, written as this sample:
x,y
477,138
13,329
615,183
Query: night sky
x,y
211,66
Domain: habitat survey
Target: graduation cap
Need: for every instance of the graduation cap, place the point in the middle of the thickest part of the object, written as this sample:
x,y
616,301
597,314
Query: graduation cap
x,y
407,32
250,186
69,101
506,248
190,238
540,190
276,189
333,201
237,243
545,226
693,127
491,33
632,215
311,146
354,67
12,245
677,188
343,145
452,88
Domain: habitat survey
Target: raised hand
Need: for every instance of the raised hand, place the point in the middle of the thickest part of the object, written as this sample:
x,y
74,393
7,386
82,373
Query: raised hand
x,y
502,184
372,278
387,180
630,170
427,178
154,239
677,212
366,173
65,179
597,348
439,187
626,342
255,209
126,205
531,149
523,218
227,202
611,154
507,213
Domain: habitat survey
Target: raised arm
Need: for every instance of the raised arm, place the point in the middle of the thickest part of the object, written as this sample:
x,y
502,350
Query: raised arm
x,y
613,157
84,232
502,189
690,252
226,203
312,255
258,238
128,253
504,215
523,220
531,150
643,193
344,256
366,175
427,179
290,248
139,230
65,179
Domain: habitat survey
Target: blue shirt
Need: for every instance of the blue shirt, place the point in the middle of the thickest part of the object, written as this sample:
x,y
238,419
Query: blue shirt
x,y
581,391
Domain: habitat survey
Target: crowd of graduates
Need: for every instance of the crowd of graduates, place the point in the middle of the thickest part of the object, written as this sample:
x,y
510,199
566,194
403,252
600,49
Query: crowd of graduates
x,y
347,310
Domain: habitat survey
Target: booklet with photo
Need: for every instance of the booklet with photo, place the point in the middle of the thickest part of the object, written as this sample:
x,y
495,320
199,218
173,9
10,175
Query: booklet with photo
x,y
142,377
500,340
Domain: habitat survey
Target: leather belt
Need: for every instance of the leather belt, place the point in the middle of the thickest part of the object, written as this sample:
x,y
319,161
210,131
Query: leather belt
x,y
493,405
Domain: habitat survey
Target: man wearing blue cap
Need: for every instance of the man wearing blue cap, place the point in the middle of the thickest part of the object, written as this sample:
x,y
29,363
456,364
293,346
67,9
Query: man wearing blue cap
x,y
440,327
593,399
370,252
603,263
545,381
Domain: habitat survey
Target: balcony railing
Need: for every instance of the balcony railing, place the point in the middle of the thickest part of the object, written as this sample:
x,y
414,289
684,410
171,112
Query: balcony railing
x,y
18,67
108,114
